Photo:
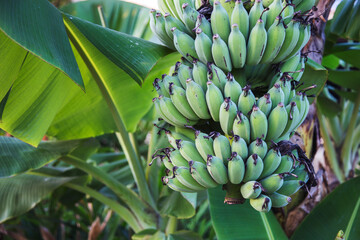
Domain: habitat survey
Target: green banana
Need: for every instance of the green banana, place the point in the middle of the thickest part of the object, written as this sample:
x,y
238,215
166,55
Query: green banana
x,y
184,72
241,127
254,167
277,95
167,80
277,122
196,98
292,34
228,5
217,76
256,43
220,23
258,124
184,44
184,176
236,168
199,74
299,71
178,97
262,203
293,118
239,146
237,47
272,183
264,103
266,3
246,100
275,9
204,25
214,99
171,22
200,173
167,162
227,115
184,61
172,136
276,37
188,150
258,147
299,99
279,200
305,112
203,46
176,159
305,5
285,87
240,17
299,174
288,13
176,185
232,88
190,16
217,169
221,54
250,190
255,13
204,144
152,20
178,6
290,187
271,162
160,31
221,147
291,63
286,164
160,88
304,36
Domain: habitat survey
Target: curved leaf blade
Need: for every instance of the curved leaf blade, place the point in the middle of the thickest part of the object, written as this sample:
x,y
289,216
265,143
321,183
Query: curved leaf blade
x,y
241,221
38,27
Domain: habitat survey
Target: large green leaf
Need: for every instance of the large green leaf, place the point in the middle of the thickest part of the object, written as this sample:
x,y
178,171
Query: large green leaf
x,y
21,193
346,79
17,156
179,205
340,210
37,26
349,52
120,16
241,221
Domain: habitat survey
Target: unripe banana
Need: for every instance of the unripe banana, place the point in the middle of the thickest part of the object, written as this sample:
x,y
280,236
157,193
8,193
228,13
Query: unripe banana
x,y
237,47
236,169
285,87
250,190
167,162
274,11
184,176
240,147
290,187
199,74
184,61
271,162
222,147
152,21
288,11
176,159
190,16
227,115
264,103
196,98
258,147
299,71
306,110
214,99
266,3
184,72
167,80
300,174
217,76
279,200
304,36
246,100
286,164
292,34
178,6
200,173
170,112
254,167
305,5
232,88
291,63
240,17
184,44
272,183
277,122
299,99
171,22
217,169
204,144
178,97
277,95
241,127
188,150
255,13
172,136
220,22
262,203
256,43
203,46
258,124
204,25
276,37
176,185
160,88
221,54
293,118
228,5
160,31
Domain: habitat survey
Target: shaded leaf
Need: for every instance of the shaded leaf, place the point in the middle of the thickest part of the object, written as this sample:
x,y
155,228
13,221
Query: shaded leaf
x,y
179,205
184,235
349,52
339,210
149,234
345,78
328,107
241,221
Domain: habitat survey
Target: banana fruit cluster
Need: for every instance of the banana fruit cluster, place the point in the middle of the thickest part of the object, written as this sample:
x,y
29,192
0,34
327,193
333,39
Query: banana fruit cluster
x,y
262,175
233,36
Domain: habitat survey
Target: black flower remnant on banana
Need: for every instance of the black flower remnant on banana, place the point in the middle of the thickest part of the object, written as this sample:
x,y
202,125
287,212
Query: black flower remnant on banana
x,y
235,87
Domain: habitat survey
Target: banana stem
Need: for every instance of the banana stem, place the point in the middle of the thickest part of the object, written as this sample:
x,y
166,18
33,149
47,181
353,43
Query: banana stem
x,y
329,148
171,225
233,195
123,212
346,149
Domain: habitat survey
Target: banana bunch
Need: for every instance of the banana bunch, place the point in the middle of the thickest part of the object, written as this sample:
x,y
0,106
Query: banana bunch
x,y
262,175
232,37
